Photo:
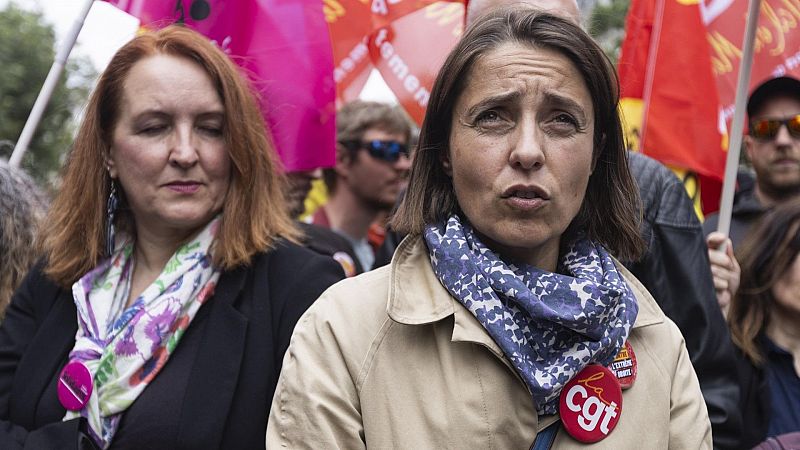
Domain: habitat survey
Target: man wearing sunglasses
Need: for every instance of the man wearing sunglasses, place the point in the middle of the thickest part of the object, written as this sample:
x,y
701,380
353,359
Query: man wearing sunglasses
x,y
773,148
372,164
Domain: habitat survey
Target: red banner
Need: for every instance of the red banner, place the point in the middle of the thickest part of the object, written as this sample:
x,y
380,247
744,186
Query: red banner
x,y
406,40
409,72
349,24
777,46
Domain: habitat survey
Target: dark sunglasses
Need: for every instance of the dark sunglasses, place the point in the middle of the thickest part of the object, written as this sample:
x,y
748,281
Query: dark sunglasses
x,y
388,151
768,128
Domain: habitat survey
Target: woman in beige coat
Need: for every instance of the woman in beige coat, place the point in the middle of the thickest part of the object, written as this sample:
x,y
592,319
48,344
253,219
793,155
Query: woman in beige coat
x,y
495,323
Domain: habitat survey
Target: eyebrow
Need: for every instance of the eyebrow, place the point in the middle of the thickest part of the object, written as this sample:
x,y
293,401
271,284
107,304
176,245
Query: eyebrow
x,y
552,98
567,103
505,97
212,114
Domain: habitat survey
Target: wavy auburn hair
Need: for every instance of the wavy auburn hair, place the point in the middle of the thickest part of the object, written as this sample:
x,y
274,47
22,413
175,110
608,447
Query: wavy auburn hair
x,y
765,256
610,210
254,213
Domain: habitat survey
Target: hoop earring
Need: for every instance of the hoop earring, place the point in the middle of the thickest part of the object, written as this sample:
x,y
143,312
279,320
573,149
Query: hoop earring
x,y
111,210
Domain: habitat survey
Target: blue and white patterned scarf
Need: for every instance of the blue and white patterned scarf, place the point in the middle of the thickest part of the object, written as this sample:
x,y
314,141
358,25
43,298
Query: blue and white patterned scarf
x,y
550,326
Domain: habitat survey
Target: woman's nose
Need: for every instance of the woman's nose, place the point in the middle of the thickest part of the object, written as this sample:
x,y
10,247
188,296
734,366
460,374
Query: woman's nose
x,y
184,150
527,151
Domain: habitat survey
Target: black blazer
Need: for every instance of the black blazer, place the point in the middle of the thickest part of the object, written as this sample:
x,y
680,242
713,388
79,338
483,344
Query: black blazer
x,y
215,390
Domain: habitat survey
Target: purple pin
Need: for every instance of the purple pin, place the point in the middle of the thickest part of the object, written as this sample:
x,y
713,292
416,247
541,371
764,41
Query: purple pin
x,y
74,386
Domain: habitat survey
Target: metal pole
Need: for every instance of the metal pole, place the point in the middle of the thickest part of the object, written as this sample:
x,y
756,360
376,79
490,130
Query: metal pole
x,y
652,56
49,86
737,126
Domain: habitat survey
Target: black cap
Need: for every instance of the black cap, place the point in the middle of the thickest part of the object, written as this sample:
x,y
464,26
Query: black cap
x,y
785,85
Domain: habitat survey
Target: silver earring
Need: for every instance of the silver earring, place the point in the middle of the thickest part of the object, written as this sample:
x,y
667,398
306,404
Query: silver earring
x,y
111,210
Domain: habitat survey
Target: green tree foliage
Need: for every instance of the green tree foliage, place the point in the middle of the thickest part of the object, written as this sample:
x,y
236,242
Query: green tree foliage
x,y
27,50
607,25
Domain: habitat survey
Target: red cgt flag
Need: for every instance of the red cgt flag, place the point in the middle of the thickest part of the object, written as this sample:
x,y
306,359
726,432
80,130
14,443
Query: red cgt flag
x,y
665,68
678,72
777,44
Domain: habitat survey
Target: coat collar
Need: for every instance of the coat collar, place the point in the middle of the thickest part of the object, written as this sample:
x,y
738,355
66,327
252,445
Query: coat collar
x,y
417,297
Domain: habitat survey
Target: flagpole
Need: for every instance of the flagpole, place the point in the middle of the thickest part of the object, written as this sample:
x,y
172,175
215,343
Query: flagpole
x,y
652,52
48,87
737,126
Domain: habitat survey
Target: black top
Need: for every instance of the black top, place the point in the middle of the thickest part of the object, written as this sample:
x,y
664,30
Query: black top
x,y
784,389
755,401
215,390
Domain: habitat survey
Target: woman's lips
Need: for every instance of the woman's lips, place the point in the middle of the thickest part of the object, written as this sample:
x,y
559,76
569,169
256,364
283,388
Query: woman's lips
x,y
525,204
184,188
526,197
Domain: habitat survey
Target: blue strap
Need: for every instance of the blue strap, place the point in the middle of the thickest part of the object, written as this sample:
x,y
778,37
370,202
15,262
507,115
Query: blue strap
x,y
545,438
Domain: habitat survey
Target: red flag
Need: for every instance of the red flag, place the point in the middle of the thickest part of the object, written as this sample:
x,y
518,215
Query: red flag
x,y
679,67
666,62
285,48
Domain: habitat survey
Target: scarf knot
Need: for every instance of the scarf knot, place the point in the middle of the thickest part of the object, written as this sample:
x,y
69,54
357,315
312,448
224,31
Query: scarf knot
x,y
549,325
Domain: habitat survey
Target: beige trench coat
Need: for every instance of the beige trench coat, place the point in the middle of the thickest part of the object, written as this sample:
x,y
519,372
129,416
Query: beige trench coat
x,y
420,372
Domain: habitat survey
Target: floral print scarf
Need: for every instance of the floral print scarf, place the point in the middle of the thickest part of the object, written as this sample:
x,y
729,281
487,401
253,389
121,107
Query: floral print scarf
x,y
125,348
549,325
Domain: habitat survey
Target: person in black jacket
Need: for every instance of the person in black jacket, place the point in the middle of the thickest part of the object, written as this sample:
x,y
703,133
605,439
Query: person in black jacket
x,y
675,269
171,281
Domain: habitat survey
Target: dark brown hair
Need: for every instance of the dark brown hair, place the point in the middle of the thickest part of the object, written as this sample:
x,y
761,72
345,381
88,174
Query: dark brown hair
x,y
610,210
254,212
765,256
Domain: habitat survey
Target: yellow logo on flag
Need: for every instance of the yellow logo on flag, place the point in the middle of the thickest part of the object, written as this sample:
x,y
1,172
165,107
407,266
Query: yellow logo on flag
x,y
630,111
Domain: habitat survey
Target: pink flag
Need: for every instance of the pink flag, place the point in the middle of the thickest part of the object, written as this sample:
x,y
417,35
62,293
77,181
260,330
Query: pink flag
x,y
284,47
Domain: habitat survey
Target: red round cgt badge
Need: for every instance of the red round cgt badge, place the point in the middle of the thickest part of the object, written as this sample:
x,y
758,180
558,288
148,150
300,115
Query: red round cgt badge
x,y
591,404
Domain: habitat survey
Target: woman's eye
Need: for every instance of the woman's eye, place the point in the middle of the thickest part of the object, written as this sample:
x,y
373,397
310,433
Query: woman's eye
x,y
211,130
487,116
563,124
565,119
152,129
